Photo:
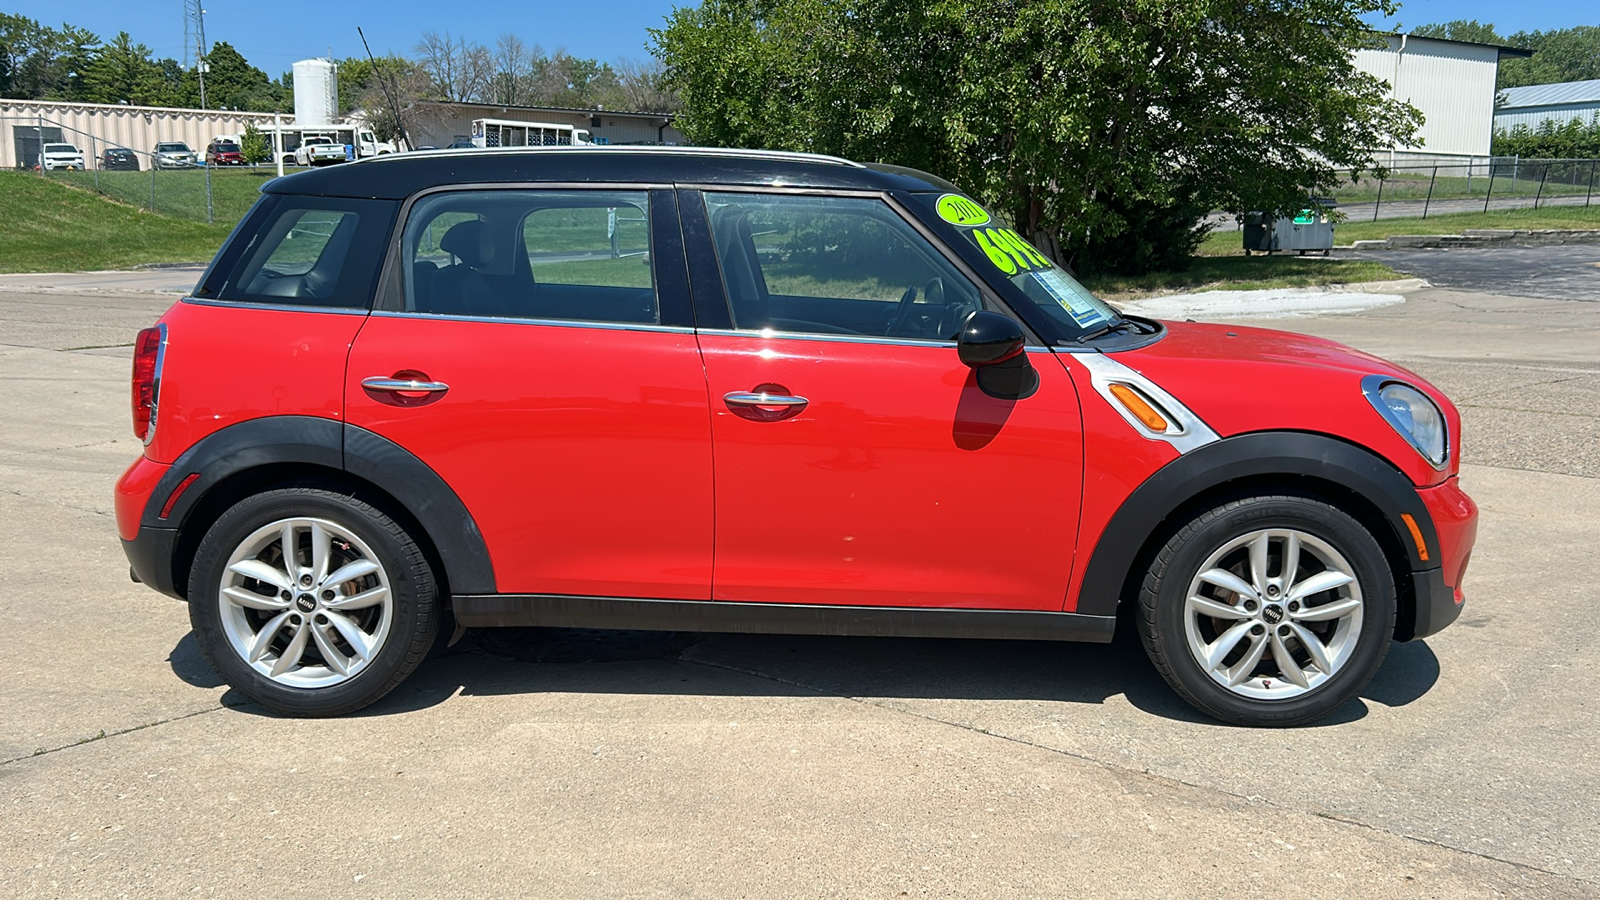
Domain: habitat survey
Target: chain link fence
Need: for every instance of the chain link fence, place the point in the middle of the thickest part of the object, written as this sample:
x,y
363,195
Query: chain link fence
x,y
186,189
1507,182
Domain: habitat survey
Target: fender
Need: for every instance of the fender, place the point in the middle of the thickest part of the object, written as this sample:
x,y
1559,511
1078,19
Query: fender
x,y
331,444
1244,456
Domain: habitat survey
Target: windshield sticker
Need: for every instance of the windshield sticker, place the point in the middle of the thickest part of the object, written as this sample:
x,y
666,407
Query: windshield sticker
x,y
1008,251
1071,296
958,210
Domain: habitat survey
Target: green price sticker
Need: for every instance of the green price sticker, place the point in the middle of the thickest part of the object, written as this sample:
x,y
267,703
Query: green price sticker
x,y
958,210
1008,251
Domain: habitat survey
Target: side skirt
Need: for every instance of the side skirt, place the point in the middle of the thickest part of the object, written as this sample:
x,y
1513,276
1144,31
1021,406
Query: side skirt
x,y
563,611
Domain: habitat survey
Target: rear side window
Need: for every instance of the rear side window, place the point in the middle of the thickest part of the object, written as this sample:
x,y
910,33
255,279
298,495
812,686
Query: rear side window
x,y
307,251
567,255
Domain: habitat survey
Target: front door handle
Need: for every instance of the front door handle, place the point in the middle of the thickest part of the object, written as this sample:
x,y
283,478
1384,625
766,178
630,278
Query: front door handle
x,y
767,403
750,398
403,385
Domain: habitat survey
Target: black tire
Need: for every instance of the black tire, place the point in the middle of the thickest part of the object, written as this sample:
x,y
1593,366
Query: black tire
x,y
1163,618
414,603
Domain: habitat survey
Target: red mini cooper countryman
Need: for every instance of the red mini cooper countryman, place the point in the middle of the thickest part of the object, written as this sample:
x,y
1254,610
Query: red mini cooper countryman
x,y
758,392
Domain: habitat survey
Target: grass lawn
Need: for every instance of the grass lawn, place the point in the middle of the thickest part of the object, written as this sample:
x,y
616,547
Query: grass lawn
x,y
1237,272
49,227
181,192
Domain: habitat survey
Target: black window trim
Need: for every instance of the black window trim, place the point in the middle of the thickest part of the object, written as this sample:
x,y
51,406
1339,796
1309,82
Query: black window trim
x,y
711,296
671,279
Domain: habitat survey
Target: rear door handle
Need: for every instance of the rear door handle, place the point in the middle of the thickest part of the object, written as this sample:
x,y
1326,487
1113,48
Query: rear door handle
x,y
403,385
751,398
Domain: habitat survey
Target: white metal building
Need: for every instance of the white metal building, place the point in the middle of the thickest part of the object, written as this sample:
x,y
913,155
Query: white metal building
x,y
438,124
1538,103
1451,83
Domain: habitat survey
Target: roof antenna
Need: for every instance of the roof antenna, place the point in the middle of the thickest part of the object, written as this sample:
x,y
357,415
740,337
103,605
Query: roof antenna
x,y
384,83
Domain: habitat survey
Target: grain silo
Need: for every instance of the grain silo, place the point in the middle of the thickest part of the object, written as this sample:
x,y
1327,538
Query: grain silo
x,y
316,93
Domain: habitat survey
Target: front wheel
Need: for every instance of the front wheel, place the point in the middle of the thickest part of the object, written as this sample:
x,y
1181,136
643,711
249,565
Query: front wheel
x,y
1268,611
311,602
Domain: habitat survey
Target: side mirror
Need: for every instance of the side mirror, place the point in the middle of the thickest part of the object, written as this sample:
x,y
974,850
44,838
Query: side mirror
x,y
987,338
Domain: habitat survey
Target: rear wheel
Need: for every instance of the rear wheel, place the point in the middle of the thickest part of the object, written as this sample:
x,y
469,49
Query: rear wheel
x,y
1269,610
310,602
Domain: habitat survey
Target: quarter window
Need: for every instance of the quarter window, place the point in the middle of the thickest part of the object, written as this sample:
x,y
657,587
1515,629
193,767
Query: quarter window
x,y
833,265
566,255
311,251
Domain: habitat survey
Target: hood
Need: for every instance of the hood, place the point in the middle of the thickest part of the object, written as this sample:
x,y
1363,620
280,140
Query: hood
x,y
1241,380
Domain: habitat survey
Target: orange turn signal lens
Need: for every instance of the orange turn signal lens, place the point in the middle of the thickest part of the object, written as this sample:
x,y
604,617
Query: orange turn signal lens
x,y
1142,409
1416,535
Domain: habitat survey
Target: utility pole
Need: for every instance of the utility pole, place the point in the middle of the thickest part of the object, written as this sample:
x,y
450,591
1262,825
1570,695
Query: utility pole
x,y
194,36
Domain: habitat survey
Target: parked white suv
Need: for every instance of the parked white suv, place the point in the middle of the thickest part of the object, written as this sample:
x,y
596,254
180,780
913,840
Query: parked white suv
x,y
175,155
61,156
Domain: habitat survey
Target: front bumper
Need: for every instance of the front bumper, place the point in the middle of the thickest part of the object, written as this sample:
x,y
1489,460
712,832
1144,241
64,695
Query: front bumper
x,y
1437,590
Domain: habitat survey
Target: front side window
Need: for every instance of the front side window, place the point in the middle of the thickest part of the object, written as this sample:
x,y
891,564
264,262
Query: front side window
x,y
834,265
311,251
1045,284
565,255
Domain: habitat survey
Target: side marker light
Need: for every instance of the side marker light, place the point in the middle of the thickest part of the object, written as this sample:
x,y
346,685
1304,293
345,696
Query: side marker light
x,y
1416,535
1141,408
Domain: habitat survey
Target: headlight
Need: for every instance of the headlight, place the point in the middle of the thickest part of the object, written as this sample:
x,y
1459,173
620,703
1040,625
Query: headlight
x,y
1412,414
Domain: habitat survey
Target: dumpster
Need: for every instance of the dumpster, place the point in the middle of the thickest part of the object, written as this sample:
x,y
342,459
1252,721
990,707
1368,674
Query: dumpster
x,y
1308,230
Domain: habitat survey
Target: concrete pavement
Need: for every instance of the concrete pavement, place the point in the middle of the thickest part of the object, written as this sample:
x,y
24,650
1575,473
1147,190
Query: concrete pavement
x,y
723,766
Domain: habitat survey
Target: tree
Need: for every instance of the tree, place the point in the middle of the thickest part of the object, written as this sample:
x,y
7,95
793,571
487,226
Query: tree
x,y
1470,30
122,72
459,69
1104,130
232,83
1567,54
254,146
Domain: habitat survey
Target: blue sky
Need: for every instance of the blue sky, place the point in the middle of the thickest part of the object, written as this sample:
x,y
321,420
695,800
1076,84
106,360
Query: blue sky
x,y
274,35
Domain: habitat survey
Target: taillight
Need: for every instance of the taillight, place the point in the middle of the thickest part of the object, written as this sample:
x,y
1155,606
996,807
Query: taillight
x,y
147,350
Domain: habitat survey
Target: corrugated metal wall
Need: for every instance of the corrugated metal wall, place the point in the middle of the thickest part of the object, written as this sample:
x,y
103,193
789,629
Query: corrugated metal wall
x,y
1452,84
135,127
1534,116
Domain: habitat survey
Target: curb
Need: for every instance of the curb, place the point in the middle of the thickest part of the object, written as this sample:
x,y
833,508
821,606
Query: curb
x,y
1480,238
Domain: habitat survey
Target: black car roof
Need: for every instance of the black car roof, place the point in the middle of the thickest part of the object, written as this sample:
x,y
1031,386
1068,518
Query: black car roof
x,y
399,175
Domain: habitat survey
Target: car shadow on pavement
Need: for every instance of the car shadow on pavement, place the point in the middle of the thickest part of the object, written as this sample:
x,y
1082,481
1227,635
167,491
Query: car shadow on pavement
x,y
511,661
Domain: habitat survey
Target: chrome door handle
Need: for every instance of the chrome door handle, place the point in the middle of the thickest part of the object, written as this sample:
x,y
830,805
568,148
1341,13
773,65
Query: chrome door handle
x,y
381,383
748,398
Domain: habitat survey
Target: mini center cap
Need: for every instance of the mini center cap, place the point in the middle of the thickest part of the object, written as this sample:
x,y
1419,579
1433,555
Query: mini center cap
x,y
1272,613
305,603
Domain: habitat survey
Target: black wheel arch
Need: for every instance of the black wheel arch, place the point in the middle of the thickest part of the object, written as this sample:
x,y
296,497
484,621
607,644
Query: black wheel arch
x,y
1347,475
263,453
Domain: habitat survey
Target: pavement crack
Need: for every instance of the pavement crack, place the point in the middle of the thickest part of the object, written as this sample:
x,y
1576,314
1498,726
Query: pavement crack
x,y
103,734
1143,774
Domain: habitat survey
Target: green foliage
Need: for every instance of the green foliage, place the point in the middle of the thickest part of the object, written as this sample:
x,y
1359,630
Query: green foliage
x,y
1102,129
122,72
1574,139
1462,30
254,146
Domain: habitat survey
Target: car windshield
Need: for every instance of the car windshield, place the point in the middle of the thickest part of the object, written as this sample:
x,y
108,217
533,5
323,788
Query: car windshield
x,y
171,148
227,148
1045,284
60,148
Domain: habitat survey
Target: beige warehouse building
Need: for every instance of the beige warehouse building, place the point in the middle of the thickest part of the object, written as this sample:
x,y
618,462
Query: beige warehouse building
x,y
95,126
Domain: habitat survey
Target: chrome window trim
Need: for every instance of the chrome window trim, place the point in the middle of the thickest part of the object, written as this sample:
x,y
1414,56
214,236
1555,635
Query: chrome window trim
x,y
1372,386
285,307
767,334
552,323
1191,431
